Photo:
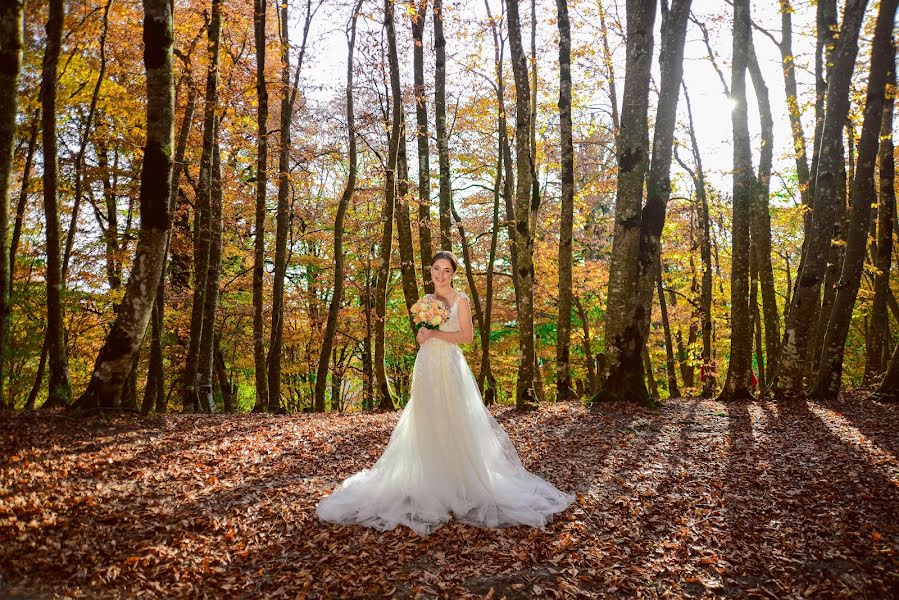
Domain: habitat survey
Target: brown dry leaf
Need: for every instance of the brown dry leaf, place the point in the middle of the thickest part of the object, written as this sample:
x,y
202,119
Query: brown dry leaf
x,y
753,500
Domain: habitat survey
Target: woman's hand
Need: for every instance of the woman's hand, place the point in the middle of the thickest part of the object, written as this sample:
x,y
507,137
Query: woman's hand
x,y
423,335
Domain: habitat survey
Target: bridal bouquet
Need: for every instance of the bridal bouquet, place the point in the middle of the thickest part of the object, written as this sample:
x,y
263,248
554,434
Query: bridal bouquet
x,y
429,313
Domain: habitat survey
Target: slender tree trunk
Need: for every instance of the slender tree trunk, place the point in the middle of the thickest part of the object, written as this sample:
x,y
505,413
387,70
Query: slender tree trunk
x,y
761,218
345,198
116,358
261,377
609,61
670,365
282,221
757,331
421,135
587,346
155,388
14,246
288,101
828,382
22,202
469,272
886,203
525,393
506,151
563,330
155,385
707,369
60,388
111,232
834,265
649,374
446,192
738,385
368,367
805,299
486,379
404,230
82,149
202,209
206,359
386,400
229,391
11,14
826,36
793,109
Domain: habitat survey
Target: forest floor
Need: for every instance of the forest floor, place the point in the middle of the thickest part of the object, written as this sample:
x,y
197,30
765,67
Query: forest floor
x,y
695,499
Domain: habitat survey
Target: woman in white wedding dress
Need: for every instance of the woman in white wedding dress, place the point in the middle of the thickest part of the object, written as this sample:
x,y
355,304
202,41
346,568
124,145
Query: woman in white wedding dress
x,y
447,454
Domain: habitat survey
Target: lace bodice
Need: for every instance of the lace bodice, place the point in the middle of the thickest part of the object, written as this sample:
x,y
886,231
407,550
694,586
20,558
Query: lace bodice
x,y
452,323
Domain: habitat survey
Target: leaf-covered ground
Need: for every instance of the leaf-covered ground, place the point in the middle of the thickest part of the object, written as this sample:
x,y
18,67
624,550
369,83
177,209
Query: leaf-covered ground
x,y
696,499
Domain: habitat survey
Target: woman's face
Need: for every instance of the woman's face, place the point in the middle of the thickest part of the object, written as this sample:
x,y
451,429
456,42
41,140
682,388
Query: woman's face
x,y
442,272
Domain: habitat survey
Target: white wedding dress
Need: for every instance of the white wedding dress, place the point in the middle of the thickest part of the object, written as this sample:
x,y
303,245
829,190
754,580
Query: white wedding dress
x,y
447,454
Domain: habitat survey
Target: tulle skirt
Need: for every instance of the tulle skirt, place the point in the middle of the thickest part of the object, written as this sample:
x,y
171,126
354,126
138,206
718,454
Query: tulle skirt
x,y
447,457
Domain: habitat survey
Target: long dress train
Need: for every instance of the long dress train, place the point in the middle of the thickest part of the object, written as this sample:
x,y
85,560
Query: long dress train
x,y
447,454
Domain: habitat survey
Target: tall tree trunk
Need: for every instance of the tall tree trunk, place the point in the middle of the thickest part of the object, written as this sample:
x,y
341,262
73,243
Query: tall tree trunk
x,y
587,346
229,391
828,382
111,232
608,60
202,211
288,101
805,299
386,400
446,192
825,44
261,377
155,388
404,230
670,365
649,374
82,149
625,368
566,226
486,379
707,368
116,358
206,359
60,387
525,392
738,385
834,265
10,63
506,151
761,217
631,333
658,185
757,327
14,246
368,365
421,136
886,203
793,108
469,272
22,201
345,198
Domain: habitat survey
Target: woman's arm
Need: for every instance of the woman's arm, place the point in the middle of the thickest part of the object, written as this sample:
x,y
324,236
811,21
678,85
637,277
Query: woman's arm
x,y
465,335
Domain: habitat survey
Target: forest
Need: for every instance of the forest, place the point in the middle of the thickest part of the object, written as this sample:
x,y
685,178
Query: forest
x,y
302,206
675,223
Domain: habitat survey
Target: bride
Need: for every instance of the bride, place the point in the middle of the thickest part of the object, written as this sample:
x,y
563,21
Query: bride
x,y
447,454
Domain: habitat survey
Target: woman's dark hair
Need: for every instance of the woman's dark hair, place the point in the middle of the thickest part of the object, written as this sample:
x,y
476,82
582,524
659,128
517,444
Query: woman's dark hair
x,y
446,255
